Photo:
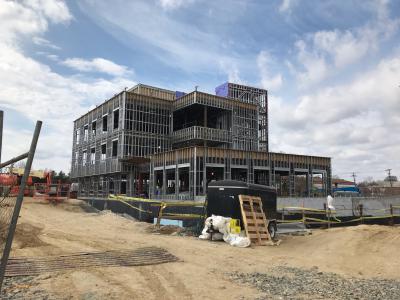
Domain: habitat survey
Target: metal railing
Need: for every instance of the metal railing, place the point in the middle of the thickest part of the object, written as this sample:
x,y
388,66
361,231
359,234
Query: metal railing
x,y
10,204
202,133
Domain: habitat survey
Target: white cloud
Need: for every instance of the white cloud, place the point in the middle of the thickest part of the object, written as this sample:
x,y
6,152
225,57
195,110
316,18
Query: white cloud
x,y
175,42
230,68
55,10
30,17
287,5
268,81
97,65
352,122
174,4
45,43
35,91
322,54
53,57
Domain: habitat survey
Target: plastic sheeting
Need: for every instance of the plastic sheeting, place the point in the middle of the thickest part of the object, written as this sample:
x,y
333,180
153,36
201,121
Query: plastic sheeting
x,y
222,225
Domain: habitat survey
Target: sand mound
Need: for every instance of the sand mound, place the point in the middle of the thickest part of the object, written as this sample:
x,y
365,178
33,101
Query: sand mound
x,y
366,249
27,236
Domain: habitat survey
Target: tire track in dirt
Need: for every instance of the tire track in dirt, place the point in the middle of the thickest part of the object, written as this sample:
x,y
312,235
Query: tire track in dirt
x,y
163,286
175,283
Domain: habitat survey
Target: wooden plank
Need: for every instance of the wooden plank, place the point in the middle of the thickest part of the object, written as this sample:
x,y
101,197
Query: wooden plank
x,y
255,230
259,236
257,214
258,221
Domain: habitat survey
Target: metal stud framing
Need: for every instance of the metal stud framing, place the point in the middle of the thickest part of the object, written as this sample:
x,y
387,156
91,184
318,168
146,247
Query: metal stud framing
x,y
145,141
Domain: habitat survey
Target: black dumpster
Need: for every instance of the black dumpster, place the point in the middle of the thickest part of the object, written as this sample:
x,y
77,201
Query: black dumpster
x,y
223,198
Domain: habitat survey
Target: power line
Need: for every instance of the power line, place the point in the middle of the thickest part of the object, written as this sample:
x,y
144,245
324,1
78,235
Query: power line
x,y
389,177
354,177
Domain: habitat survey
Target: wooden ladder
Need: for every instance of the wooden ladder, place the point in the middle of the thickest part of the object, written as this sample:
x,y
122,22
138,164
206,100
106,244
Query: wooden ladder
x,y
254,220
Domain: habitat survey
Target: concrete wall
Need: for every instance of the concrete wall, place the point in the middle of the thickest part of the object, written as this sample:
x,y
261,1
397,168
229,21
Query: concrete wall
x,y
346,206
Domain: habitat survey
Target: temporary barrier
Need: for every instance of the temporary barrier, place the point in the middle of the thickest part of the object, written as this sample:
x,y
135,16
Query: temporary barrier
x,y
161,207
10,204
331,215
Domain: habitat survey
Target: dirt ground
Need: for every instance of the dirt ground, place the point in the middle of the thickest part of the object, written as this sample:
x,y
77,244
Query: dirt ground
x,y
204,266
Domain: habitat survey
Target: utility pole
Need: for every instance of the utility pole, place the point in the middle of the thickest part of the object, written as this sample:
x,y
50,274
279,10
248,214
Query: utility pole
x,y
354,178
389,176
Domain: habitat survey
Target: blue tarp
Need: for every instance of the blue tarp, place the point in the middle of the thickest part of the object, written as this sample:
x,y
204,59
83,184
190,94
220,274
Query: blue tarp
x,y
352,189
179,94
222,90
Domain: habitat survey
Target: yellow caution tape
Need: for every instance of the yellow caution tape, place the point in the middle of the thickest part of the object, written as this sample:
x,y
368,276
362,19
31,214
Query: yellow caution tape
x,y
305,209
184,203
290,221
135,199
134,207
320,220
194,216
156,202
336,220
353,220
163,205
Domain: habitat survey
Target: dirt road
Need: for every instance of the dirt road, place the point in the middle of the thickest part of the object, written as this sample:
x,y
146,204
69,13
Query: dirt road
x,y
204,269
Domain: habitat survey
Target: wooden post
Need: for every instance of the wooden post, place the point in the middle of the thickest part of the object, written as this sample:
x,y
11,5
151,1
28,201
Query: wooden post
x,y
329,217
283,214
327,214
360,206
105,205
160,212
303,216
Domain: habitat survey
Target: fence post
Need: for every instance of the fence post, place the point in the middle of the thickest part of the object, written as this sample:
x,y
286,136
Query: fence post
x,y
360,206
329,217
160,213
18,202
303,216
283,214
1,131
391,214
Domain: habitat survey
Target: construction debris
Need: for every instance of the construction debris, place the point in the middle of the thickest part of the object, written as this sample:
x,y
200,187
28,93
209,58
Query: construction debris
x,y
25,266
294,283
217,228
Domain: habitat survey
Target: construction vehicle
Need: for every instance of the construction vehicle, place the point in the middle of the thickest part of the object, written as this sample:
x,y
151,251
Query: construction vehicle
x,y
52,192
13,178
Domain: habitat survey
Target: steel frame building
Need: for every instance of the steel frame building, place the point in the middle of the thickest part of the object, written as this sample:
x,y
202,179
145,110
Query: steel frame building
x,y
148,141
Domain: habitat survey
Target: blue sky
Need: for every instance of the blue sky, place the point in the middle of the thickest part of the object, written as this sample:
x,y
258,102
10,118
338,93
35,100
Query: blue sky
x,y
332,68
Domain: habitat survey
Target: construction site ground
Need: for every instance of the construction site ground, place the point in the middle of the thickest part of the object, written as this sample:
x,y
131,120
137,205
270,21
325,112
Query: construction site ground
x,y
206,270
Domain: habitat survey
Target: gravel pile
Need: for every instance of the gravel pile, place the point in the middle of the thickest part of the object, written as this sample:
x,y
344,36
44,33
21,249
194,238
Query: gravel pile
x,y
23,287
294,283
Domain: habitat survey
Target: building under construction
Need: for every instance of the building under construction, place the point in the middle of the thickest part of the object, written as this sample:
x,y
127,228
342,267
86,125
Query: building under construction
x,y
152,142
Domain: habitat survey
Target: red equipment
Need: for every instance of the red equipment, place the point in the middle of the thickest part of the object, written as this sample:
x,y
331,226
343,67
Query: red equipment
x,y
12,180
52,192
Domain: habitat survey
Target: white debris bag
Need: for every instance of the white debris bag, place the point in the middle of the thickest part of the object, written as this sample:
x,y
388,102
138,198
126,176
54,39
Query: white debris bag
x,y
329,202
221,224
